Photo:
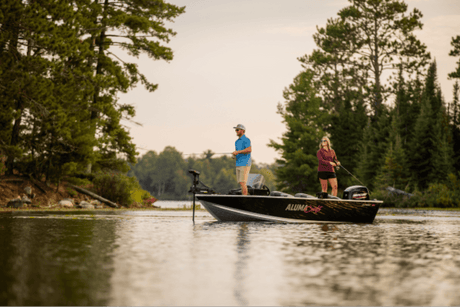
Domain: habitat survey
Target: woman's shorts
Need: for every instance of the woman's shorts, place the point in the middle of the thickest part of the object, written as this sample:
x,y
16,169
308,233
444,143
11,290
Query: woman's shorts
x,y
326,175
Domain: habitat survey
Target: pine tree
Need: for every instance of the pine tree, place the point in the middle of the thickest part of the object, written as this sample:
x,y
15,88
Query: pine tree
x,y
431,149
374,145
136,27
394,171
59,80
455,104
456,127
347,128
305,121
455,52
384,39
423,142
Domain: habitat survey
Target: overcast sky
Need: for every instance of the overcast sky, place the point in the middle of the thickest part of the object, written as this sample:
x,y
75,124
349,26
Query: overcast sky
x,y
232,60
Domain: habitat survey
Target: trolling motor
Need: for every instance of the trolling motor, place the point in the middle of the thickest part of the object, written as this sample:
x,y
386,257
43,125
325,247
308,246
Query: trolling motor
x,y
195,189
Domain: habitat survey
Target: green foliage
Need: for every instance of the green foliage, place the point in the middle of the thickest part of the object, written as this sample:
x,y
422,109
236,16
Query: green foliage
x,y
305,120
141,196
116,187
394,132
72,192
441,195
60,75
383,39
347,129
394,171
455,119
455,52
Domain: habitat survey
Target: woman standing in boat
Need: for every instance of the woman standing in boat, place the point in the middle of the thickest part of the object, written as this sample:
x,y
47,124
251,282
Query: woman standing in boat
x,y
326,162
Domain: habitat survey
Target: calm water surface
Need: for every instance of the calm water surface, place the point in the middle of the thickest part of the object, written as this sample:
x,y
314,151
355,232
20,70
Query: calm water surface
x,y
161,258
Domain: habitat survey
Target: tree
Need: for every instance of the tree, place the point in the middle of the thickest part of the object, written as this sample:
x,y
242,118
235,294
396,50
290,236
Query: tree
x,y
136,27
40,115
60,75
168,168
384,39
394,171
456,126
430,146
305,120
144,169
336,73
374,146
346,132
455,104
455,52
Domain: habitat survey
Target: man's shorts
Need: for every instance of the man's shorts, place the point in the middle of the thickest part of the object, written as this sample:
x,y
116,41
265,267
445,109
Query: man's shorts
x,y
242,173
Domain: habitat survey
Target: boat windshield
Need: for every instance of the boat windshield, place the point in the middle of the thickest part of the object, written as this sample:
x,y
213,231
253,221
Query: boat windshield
x,y
256,181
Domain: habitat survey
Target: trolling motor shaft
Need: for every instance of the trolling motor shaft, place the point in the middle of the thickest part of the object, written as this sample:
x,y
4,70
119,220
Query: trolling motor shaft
x,y
196,189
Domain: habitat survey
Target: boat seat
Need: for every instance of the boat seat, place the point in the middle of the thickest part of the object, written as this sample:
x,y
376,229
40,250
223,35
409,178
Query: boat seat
x,y
256,181
303,195
280,194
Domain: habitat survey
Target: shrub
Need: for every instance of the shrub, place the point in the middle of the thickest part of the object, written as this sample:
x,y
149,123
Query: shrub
x,y
72,192
143,197
441,195
116,187
391,199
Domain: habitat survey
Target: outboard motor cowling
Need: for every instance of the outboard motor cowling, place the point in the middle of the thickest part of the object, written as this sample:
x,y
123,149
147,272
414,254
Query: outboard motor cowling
x,y
357,192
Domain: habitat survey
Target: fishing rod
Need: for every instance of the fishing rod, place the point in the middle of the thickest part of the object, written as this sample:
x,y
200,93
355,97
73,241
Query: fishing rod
x,y
348,172
203,153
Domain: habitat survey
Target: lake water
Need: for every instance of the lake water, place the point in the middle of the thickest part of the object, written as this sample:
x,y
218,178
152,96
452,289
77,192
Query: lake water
x,y
175,203
405,257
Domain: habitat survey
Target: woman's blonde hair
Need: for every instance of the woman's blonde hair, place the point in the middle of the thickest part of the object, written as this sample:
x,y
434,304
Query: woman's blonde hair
x,y
329,144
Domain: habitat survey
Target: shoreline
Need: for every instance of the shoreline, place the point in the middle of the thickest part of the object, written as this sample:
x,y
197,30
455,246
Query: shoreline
x,y
187,209
94,210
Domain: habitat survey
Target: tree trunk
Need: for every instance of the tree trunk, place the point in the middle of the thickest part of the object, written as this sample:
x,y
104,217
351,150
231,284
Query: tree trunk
x,y
377,96
84,191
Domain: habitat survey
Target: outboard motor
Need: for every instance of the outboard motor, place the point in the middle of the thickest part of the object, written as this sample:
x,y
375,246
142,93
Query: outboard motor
x,y
357,192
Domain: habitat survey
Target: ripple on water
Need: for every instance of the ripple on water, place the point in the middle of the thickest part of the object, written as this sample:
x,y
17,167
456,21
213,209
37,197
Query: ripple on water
x,y
162,258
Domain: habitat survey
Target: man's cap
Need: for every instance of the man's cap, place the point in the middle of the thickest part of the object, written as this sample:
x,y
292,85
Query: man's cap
x,y
240,126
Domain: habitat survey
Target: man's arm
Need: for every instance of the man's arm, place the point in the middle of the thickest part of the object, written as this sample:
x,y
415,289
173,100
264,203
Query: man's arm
x,y
244,151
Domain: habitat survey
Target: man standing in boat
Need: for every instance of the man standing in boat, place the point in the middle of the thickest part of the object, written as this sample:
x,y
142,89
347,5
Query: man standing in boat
x,y
243,157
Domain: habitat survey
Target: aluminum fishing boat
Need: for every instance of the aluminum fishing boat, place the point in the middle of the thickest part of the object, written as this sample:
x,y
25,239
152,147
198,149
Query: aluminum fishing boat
x,y
274,206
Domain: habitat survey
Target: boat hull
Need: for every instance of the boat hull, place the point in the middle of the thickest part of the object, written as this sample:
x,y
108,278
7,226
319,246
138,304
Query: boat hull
x,y
238,208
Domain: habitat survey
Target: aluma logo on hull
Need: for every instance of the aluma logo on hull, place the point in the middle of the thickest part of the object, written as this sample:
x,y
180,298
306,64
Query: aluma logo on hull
x,y
304,208
295,207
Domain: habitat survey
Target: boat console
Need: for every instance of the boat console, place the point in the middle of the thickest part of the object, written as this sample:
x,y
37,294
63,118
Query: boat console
x,y
255,186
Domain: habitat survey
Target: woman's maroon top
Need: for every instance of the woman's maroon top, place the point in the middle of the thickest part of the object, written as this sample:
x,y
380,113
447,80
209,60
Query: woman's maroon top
x,y
324,157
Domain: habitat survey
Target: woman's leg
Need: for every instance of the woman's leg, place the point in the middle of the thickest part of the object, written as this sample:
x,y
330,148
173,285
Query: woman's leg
x,y
334,185
323,184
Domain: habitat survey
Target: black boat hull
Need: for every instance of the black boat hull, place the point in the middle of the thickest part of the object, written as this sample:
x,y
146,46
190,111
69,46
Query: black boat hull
x,y
238,208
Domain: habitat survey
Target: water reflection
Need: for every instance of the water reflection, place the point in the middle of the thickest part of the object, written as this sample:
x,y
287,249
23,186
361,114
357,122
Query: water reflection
x,y
242,247
55,262
161,258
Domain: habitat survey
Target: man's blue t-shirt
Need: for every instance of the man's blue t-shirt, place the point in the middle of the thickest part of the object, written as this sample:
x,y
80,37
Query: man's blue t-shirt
x,y
243,159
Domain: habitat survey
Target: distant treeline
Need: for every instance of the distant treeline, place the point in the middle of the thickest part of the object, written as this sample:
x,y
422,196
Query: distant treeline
x,y
397,132
165,175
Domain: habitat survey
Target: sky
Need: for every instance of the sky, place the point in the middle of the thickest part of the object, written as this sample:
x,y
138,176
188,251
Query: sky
x,y
232,61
